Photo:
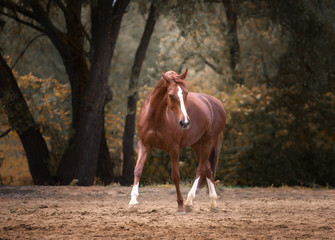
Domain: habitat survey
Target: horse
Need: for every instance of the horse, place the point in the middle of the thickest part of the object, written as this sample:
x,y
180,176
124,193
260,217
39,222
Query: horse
x,y
172,118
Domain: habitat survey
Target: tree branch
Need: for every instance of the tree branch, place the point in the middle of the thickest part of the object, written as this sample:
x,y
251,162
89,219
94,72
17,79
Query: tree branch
x,y
61,6
5,133
70,16
16,18
21,54
216,69
17,9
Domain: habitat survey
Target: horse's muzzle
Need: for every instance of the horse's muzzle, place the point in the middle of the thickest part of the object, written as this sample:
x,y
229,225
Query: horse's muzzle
x,y
183,124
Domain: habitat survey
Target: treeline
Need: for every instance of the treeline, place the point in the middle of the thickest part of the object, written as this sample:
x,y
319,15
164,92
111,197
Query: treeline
x,y
280,130
271,64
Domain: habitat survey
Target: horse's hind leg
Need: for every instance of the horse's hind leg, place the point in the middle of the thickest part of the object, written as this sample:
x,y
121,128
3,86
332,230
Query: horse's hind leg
x,y
213,160
207,154
198,183
213,206
204,152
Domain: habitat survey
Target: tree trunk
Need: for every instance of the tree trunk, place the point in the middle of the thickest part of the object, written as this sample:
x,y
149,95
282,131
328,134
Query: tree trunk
x,y
79,77
22,121
105,168
129,129
90,123
231,14
70,47
88,85
128,143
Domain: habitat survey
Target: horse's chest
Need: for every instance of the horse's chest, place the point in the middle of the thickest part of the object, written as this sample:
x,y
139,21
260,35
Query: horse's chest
x,y
158,139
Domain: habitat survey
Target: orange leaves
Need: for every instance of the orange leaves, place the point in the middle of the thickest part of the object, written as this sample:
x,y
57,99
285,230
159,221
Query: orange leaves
x,y
49,102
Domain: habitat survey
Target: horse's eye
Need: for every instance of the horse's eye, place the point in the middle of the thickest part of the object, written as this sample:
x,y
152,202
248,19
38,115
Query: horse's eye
x,y
171,96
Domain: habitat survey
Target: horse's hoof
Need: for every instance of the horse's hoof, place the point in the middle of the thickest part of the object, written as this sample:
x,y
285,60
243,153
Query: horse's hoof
x,y
133,207
188,208
181,212
214,209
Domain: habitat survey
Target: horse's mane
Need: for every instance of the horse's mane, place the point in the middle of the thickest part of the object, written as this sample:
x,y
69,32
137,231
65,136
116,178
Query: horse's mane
x,y
174,76
159,92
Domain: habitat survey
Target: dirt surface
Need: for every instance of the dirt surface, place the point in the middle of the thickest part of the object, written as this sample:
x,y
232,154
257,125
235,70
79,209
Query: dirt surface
x,y
32,212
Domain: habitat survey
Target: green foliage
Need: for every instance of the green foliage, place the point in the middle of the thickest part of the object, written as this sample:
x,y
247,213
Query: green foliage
x,y
278,133
265,145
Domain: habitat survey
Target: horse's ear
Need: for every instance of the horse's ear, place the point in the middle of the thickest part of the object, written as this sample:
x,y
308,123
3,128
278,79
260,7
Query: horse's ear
x,y
165,77
183,75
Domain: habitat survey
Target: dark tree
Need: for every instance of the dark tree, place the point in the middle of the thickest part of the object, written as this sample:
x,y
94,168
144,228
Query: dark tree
x,y
129,129
234,46
88,81
22,122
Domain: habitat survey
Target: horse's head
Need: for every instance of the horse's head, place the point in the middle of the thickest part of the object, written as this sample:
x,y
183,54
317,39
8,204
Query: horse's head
x,y
176,96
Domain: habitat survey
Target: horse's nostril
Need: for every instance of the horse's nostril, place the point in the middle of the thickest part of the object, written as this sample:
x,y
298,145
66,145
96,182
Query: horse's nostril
x,y
181,124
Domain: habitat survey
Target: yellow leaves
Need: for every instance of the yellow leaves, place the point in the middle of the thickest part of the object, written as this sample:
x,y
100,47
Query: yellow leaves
x,y
28,81
14,168
42,118
45,98
50,103
34,85
62,91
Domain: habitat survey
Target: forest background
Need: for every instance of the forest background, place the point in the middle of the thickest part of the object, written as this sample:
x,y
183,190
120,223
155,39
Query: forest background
x,y
271,64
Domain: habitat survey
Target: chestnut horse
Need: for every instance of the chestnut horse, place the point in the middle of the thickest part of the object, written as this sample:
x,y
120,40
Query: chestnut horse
x,y
172,118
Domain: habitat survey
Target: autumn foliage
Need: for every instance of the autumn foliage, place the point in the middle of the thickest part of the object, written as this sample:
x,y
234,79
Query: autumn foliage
x,y
279,98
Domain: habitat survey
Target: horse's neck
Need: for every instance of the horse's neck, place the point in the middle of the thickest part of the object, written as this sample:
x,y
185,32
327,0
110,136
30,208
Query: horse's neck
x,y
158,104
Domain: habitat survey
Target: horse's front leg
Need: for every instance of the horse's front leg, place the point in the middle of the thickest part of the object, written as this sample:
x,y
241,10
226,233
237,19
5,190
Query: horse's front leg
x,y
142,156
191,196
176,179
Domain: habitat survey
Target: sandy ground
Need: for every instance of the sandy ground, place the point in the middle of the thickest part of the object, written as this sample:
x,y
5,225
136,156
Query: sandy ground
x,y
35,212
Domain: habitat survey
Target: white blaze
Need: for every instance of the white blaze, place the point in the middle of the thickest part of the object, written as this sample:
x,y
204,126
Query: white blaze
x,y
182,105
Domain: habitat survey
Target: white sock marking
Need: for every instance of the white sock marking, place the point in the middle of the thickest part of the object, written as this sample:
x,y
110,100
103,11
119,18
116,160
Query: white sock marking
x,y
191,193
212,196
211,189
134,194
182,105
194,187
